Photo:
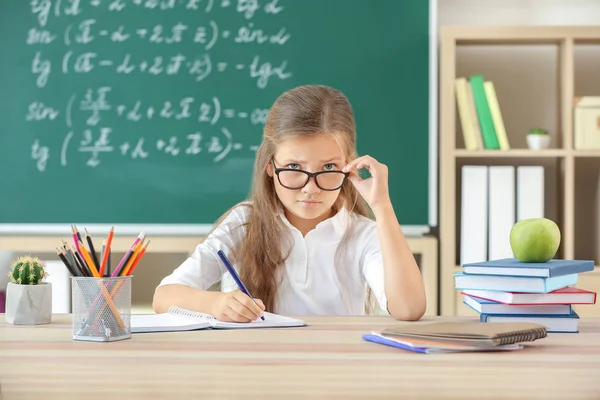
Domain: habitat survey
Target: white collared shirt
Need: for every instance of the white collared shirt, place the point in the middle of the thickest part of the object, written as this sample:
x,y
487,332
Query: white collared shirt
x,y
310,284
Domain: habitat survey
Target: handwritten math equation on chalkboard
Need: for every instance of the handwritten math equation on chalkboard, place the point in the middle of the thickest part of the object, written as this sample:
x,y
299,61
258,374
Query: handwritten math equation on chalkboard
x,y
98,106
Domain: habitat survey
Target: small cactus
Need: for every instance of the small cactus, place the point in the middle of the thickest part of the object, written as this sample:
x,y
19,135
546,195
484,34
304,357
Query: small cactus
x,y
27,270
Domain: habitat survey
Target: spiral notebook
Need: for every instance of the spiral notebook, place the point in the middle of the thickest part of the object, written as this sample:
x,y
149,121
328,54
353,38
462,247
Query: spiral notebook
x,y
180,319
471,333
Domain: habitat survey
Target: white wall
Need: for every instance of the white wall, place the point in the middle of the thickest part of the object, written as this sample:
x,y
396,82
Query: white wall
x,y
518,12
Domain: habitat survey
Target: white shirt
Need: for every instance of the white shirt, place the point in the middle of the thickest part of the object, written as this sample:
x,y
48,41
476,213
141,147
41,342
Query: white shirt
x,y
310,283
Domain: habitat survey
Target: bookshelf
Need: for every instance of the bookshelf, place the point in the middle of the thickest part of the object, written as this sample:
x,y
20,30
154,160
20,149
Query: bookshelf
x,y
572,172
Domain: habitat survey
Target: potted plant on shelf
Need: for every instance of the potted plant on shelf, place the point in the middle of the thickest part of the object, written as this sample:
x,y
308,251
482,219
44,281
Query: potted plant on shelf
x,y
538,139
28,297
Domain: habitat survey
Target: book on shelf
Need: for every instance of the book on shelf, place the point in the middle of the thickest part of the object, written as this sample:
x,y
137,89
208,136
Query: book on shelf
x,y
479,112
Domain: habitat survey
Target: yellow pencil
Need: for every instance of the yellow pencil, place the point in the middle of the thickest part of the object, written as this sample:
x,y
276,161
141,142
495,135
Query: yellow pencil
x,y
88,260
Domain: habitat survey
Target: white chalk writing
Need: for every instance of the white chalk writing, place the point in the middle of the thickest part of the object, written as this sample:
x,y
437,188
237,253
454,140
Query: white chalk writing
x,y
88,59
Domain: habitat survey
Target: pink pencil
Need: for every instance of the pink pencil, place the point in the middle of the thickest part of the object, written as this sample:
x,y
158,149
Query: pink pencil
x,y
117,270
75,238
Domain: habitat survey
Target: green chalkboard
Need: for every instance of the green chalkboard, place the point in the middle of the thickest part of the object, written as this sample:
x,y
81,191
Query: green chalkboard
x,y
148,111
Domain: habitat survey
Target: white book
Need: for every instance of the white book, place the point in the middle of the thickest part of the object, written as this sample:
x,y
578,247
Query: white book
x,y
179,319
530,192
474,208
501,211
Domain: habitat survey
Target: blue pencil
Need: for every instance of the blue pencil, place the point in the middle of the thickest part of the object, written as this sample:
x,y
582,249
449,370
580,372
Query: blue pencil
x,y
235,276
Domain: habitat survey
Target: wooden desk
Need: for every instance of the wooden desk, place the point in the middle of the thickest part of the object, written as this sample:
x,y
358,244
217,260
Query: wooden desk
x,y
326,359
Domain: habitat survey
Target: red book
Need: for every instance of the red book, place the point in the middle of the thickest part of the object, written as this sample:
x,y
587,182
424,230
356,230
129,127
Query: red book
x,y
566,295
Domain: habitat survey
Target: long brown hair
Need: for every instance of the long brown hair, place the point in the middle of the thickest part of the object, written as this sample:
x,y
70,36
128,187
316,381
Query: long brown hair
x,y
303,111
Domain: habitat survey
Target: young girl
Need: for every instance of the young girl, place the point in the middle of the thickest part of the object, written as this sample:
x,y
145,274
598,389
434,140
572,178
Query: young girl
x,y
303,244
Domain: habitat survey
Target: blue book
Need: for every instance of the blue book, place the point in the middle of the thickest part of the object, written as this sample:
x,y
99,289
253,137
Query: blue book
x,y
522,284
553,323
491,307
514,267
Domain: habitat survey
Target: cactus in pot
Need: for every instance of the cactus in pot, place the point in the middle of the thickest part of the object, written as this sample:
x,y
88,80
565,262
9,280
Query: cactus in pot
x,y
27,271
28,297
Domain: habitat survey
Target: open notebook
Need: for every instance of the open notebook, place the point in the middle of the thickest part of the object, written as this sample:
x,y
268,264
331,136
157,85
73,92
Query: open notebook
x,y
180,319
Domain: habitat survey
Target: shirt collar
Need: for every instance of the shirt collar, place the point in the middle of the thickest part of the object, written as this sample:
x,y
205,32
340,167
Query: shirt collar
x,y
339,221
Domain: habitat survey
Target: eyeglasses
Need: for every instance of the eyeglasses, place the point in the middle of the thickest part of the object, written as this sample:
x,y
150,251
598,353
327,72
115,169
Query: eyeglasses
x,y
296,178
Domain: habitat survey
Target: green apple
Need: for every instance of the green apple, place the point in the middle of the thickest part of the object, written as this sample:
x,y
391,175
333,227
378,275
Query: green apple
x,y
534,239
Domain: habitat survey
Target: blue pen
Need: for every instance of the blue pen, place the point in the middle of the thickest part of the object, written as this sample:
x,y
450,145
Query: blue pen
x,y
235,276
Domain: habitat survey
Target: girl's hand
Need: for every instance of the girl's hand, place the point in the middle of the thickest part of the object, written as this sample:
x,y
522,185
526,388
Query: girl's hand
x,y
373,189
236,306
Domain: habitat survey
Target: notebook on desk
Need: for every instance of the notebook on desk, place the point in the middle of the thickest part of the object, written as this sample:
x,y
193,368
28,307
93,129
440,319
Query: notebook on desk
x,y
472,333
179,319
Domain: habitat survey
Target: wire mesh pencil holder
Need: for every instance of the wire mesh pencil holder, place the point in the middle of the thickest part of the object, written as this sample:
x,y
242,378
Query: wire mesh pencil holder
x,y
101,308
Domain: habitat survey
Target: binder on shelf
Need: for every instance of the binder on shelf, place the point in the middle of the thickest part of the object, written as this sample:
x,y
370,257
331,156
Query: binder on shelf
x,y
501,210
474,211
530,192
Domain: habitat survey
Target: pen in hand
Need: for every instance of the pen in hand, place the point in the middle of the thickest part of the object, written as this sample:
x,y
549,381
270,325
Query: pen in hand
x,y
235,276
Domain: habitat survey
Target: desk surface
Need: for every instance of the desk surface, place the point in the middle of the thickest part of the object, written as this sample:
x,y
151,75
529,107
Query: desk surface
x,y
326,359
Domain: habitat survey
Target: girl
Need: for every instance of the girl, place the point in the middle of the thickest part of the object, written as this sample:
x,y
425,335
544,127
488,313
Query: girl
x,y
302,243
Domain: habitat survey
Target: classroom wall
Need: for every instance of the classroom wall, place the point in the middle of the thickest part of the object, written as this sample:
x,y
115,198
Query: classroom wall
x,y
540,96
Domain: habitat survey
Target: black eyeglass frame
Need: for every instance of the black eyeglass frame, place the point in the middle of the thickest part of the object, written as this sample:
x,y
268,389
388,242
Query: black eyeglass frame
x,y
308,176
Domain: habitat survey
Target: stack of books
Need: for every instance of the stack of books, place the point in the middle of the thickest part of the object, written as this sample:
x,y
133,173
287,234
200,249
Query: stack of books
x,y
508,290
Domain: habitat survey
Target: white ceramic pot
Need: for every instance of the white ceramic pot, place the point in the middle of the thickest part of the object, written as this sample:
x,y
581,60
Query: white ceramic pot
x,y
538,142
29,304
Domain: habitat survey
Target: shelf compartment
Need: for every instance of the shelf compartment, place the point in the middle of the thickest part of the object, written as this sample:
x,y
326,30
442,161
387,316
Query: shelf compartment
x,y
521,75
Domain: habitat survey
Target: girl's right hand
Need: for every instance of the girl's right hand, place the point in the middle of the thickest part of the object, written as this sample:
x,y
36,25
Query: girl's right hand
x,y
236,306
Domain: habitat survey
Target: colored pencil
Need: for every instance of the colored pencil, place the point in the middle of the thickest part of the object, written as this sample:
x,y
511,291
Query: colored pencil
x,y
84,268
63,258
88,260
108,264
132,258
138,258
92,250
69,255
75,235
127,255
106,252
